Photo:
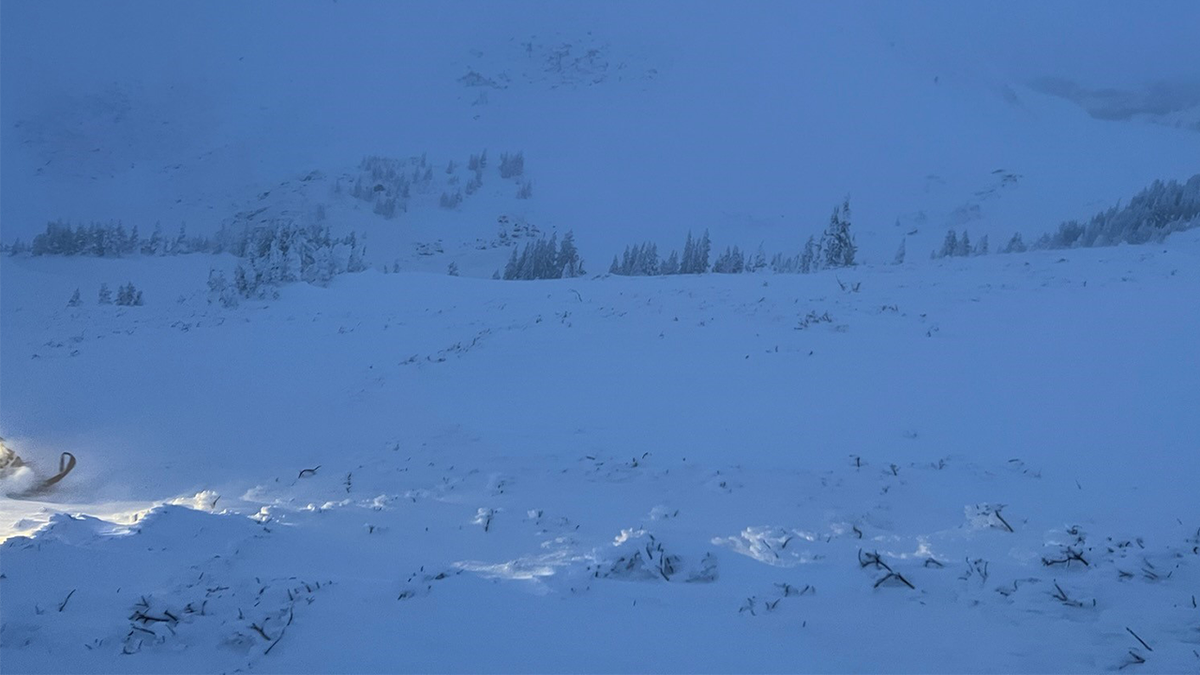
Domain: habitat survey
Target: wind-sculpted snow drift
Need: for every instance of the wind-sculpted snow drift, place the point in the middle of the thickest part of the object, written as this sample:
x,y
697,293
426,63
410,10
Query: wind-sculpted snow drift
x,y
519,337
420,499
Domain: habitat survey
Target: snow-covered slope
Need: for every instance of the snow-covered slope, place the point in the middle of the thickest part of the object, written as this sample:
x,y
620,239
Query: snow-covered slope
x,y
639,121
498,463
969,464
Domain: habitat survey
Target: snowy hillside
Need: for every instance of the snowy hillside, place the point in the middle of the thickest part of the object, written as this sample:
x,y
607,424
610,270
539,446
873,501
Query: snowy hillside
x,y
248,286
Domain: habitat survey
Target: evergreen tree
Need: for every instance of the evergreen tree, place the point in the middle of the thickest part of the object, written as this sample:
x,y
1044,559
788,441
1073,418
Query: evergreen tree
x,y
760,260
703,246
512,165
105,295
568,257
75,300
949,246
120,240
154,245
242,282
837,243
671,265
964,245
355,262
1015,245
510,270
808,259
688,264
219,289
129,296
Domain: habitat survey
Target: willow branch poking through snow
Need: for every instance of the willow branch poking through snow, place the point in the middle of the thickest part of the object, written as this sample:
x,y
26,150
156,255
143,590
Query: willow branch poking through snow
x,y
1002,520
1139,639
868,559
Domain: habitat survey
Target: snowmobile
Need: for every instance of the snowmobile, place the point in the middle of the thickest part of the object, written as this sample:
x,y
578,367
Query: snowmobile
x,y
25,479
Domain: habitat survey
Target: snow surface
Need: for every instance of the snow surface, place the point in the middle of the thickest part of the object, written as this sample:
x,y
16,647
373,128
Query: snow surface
x,y
981,464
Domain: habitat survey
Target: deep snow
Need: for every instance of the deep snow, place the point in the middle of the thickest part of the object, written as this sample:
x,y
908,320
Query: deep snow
x,y
585,419
424,473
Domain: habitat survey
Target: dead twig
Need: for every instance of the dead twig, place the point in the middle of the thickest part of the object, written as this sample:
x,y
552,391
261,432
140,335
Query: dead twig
x,y
146,618
1005,522
1139,639
868,559
291,615
63,605
1062,597
898,577
1137,660
1069,555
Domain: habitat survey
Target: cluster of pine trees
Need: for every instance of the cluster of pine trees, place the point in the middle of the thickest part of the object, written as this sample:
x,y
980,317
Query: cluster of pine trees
x,y
641,260
1015,245
388,184
109,240
545,259
512,165
282,252
834,249
733,261
1152,215
127,296
956,246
